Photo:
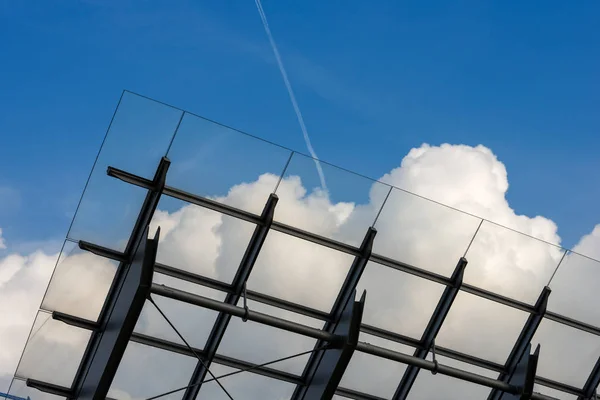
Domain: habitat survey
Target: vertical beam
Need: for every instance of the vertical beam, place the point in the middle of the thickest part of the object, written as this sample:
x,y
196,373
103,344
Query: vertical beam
x,y
346,293
589,389
432,329
97,373
523,341
524,375
138,236
121,322
241,276
335,359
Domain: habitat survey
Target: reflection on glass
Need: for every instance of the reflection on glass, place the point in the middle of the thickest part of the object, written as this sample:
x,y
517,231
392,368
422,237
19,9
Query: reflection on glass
x,y
375,375
423,233
429,386
574,289
146,371
299,271
342,211
80,283
510,263
244,385
20,389
199,240
268,344
481,327
53,352
567,354
138,137
226,165
398,301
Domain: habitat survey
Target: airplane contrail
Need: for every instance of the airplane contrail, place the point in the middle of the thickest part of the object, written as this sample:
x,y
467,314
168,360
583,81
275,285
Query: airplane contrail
x,y
288,85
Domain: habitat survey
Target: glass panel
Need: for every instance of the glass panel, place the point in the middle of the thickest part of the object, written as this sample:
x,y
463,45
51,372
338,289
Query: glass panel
x,y
193,323
557,394
138,137
80,283
268,344
215,161
244,385
423,233
374,375
574,289
20,389
567,355
397,301
342,211
200,240
510,263
299,271
481,327
146,371
428,386
53,352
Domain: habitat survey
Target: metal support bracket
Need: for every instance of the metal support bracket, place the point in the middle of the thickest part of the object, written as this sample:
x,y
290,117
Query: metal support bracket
x,y
344,297
333,364
524,340
524,375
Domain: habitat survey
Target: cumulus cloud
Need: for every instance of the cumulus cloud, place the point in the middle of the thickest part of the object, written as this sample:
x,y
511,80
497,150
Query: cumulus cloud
x,y
410,229
2,243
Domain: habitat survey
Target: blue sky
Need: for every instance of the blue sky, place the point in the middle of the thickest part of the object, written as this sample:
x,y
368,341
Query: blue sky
x,y
373,79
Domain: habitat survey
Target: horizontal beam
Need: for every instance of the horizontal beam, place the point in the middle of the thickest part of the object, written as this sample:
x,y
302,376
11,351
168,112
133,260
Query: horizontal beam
x,y
49,388
345,248
240,364
275,322
75,321
190,298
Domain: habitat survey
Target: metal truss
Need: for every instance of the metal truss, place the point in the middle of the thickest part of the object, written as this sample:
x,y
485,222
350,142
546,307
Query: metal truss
x,y
336,342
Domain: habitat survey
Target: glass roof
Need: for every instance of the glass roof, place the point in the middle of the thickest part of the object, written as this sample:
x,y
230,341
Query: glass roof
x,y
217,186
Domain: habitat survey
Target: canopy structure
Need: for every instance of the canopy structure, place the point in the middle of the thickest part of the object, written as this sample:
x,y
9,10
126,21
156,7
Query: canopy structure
x,y
203,262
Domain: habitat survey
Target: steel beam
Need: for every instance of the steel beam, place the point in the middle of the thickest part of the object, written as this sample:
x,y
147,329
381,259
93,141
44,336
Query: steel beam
x,y
591,385
523,341
345,296
367,348
334,361
218,331
524,375
348,249
49,388
433,327
117,330
110,327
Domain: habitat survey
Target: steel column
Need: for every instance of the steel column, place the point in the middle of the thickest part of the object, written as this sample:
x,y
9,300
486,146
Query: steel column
x,y
589,389
344,297
113,335
523,341
524,375
333,363
241,276
433,327
138,236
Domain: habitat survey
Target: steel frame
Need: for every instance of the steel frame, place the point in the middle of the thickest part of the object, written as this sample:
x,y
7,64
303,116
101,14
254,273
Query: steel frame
x,y
305,383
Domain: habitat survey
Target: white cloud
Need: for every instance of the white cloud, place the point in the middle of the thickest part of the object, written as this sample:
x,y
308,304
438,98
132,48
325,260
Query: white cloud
x,y
410,229
2,243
